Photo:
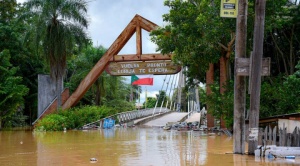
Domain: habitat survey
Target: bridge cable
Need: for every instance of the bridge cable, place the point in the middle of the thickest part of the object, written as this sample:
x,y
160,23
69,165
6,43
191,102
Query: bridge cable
x,y
159,95
176,96
170,91
165,95
173,91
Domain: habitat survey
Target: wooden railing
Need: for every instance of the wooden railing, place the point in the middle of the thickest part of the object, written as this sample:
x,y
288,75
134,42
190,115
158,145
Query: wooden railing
x,y
270,136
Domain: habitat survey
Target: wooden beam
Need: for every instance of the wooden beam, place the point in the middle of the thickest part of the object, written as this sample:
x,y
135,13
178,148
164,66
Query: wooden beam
x,y
143,57
256,70
146,24
138,40
239,81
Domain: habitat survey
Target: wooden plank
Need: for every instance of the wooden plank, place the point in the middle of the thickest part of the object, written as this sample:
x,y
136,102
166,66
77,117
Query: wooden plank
x,y
146,24
260,137
138,40
240,82
280,137
242,66
274,135
138,68
137,57
298,138
270,136
284,136
266,136
289,140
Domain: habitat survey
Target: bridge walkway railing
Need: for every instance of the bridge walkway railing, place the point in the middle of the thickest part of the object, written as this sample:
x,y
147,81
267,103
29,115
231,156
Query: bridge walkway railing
x,y
125,117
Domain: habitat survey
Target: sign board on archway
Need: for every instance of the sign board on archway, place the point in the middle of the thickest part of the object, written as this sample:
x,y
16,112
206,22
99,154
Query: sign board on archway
x,y
148,67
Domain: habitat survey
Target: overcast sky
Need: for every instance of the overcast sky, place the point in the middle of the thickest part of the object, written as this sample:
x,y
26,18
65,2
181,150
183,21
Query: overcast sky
x,y
108,18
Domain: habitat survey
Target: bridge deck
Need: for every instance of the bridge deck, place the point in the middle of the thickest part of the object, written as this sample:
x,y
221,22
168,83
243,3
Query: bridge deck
x,y
194,117
172,117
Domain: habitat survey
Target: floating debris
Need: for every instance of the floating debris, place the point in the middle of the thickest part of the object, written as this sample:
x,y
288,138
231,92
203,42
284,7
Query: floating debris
x,y
93,160
289,157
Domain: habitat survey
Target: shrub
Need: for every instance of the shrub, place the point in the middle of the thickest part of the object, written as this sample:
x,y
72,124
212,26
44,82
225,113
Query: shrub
x,y
73,118
52,122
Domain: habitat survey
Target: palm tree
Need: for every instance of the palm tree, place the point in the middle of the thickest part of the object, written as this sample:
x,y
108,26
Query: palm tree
x,y
60,29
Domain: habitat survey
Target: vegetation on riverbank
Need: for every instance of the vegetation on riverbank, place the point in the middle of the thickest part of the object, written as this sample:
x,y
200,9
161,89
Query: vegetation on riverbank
x,y
76,117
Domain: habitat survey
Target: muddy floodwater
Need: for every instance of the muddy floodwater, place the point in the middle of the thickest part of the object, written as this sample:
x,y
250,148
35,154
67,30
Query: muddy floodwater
x,y
124,147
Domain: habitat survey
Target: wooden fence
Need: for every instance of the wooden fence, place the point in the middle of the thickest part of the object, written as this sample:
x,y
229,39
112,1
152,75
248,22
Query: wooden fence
x,y
280,137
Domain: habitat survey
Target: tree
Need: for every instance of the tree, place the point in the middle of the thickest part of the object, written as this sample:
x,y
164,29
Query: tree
x,y
150,102
221,104
11,89
199,38
196,35
60,28
79,67
7,10
20,48
282,35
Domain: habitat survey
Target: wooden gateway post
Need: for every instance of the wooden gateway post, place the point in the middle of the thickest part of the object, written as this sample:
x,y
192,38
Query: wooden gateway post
x,y
239,80
255,67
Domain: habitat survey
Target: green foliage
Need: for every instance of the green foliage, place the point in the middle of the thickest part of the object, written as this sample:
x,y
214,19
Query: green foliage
x,y
221,105
202,96
11,90
161,98
20,47
7,10
53,122
120,105
280,96
150,103
73,118
282,35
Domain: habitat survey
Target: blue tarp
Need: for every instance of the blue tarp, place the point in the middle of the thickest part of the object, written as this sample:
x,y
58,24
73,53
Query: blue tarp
x,y
108,123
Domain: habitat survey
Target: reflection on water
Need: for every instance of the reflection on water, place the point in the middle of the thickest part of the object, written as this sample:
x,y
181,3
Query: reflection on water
x,y
129,146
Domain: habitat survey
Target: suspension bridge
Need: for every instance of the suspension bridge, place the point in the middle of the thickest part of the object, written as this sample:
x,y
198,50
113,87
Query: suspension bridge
x,y
172,108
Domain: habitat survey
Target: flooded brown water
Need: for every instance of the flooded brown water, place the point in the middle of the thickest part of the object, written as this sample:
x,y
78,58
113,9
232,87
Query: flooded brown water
x,y
123,147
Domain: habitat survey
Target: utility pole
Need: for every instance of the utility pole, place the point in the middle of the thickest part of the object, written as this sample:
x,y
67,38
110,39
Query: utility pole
x,y
256,70
239,81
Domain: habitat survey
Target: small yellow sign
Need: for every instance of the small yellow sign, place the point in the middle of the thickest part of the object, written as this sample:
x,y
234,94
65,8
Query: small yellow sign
x,y
229,8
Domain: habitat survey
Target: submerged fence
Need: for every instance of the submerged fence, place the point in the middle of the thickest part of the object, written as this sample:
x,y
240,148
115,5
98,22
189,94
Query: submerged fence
x,y
279,137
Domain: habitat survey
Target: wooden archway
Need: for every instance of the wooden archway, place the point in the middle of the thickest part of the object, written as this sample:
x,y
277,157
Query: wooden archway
x,y
135,26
